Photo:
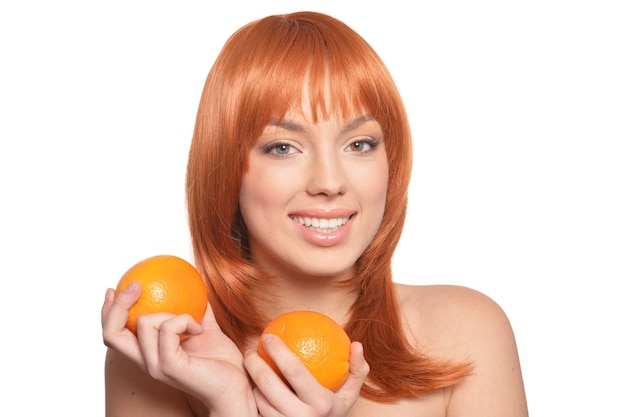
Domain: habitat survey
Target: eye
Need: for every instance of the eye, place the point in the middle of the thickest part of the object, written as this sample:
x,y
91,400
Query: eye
x,y
279,149
363,145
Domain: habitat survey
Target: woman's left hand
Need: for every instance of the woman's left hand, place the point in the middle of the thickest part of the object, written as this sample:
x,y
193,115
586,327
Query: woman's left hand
x,y
306,397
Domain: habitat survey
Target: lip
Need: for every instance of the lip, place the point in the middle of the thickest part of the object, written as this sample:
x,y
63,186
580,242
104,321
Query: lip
x,y
323,227
323,213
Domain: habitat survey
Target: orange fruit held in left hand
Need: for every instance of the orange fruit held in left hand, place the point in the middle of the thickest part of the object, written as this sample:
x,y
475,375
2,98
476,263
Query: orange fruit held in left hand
x,y
317,340
169,285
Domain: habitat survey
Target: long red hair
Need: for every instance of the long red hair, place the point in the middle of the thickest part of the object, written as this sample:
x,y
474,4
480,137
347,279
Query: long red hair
x,y
259,75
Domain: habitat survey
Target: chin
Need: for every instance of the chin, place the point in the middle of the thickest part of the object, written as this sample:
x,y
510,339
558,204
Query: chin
x,y
322,270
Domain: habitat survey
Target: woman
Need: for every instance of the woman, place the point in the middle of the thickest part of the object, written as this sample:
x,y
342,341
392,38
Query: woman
x,y
297,191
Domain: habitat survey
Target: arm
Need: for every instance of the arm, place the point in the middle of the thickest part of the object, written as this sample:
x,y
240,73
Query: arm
x,y
133,393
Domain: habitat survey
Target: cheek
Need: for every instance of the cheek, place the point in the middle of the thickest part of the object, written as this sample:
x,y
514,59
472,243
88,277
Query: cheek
x,y
376,190
252,198
261,190
375,187
381,189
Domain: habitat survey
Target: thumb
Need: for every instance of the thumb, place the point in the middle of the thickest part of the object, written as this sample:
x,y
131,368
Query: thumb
x,y
359,368
208,320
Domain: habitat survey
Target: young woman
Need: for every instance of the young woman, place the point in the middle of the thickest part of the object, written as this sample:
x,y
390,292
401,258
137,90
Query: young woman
x,y
297,192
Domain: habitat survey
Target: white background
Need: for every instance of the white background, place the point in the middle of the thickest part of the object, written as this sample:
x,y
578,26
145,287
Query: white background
x,y
519,189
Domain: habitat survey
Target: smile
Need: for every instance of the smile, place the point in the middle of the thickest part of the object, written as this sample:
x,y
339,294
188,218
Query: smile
x,y
322,225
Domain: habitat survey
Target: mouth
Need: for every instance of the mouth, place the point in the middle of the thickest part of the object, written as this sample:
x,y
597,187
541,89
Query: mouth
x,y
321,225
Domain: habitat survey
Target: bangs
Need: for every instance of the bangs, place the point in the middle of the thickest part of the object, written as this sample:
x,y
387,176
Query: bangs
x,y
339,71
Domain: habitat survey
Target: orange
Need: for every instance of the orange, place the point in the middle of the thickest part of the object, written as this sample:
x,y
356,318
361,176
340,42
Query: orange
x,y
317,340
169,285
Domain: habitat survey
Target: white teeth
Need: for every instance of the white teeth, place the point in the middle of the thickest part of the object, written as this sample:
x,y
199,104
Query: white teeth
x,y
322,225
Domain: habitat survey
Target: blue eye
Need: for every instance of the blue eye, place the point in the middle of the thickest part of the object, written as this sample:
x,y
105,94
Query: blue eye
x,y
279,149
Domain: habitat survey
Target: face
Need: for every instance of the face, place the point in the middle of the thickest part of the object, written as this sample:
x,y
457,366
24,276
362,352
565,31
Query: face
x,y
314,195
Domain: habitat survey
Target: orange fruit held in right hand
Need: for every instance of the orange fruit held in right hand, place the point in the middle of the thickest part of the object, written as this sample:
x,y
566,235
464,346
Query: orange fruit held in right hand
x,y
318,341
169,285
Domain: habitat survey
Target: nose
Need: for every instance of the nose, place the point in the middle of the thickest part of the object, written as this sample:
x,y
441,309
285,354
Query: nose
x,y
327,176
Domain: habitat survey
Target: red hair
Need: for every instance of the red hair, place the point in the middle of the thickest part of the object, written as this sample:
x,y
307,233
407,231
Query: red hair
x,y
259,75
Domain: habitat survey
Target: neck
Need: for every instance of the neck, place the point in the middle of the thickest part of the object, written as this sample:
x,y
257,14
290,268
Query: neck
x,y
327,295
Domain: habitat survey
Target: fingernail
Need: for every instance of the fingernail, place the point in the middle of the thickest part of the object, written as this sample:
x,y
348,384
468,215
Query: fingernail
x,y
267,338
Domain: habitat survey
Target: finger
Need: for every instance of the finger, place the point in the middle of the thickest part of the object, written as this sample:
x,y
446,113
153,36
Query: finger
x,y
261,372
359,369
109,296
344,398
148,333
267,381
208,320
299,380
160,339
171,333
265,408
114,315
115,308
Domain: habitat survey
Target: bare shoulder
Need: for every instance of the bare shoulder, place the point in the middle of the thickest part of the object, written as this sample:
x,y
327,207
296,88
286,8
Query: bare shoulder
x,y
132,392
450,313
462,324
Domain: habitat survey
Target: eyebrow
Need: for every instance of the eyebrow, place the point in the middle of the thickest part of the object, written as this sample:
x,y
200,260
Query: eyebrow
x,y
296,127
357,122
287,125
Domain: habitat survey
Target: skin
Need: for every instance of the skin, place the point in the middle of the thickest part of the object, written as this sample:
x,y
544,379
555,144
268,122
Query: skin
x,y
329,171
298,169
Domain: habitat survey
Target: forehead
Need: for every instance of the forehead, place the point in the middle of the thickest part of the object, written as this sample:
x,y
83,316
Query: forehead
x,y
294,120
297,120
322,105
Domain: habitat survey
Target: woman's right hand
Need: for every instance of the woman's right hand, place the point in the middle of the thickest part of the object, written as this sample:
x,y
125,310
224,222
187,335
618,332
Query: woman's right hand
x,y
207,364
